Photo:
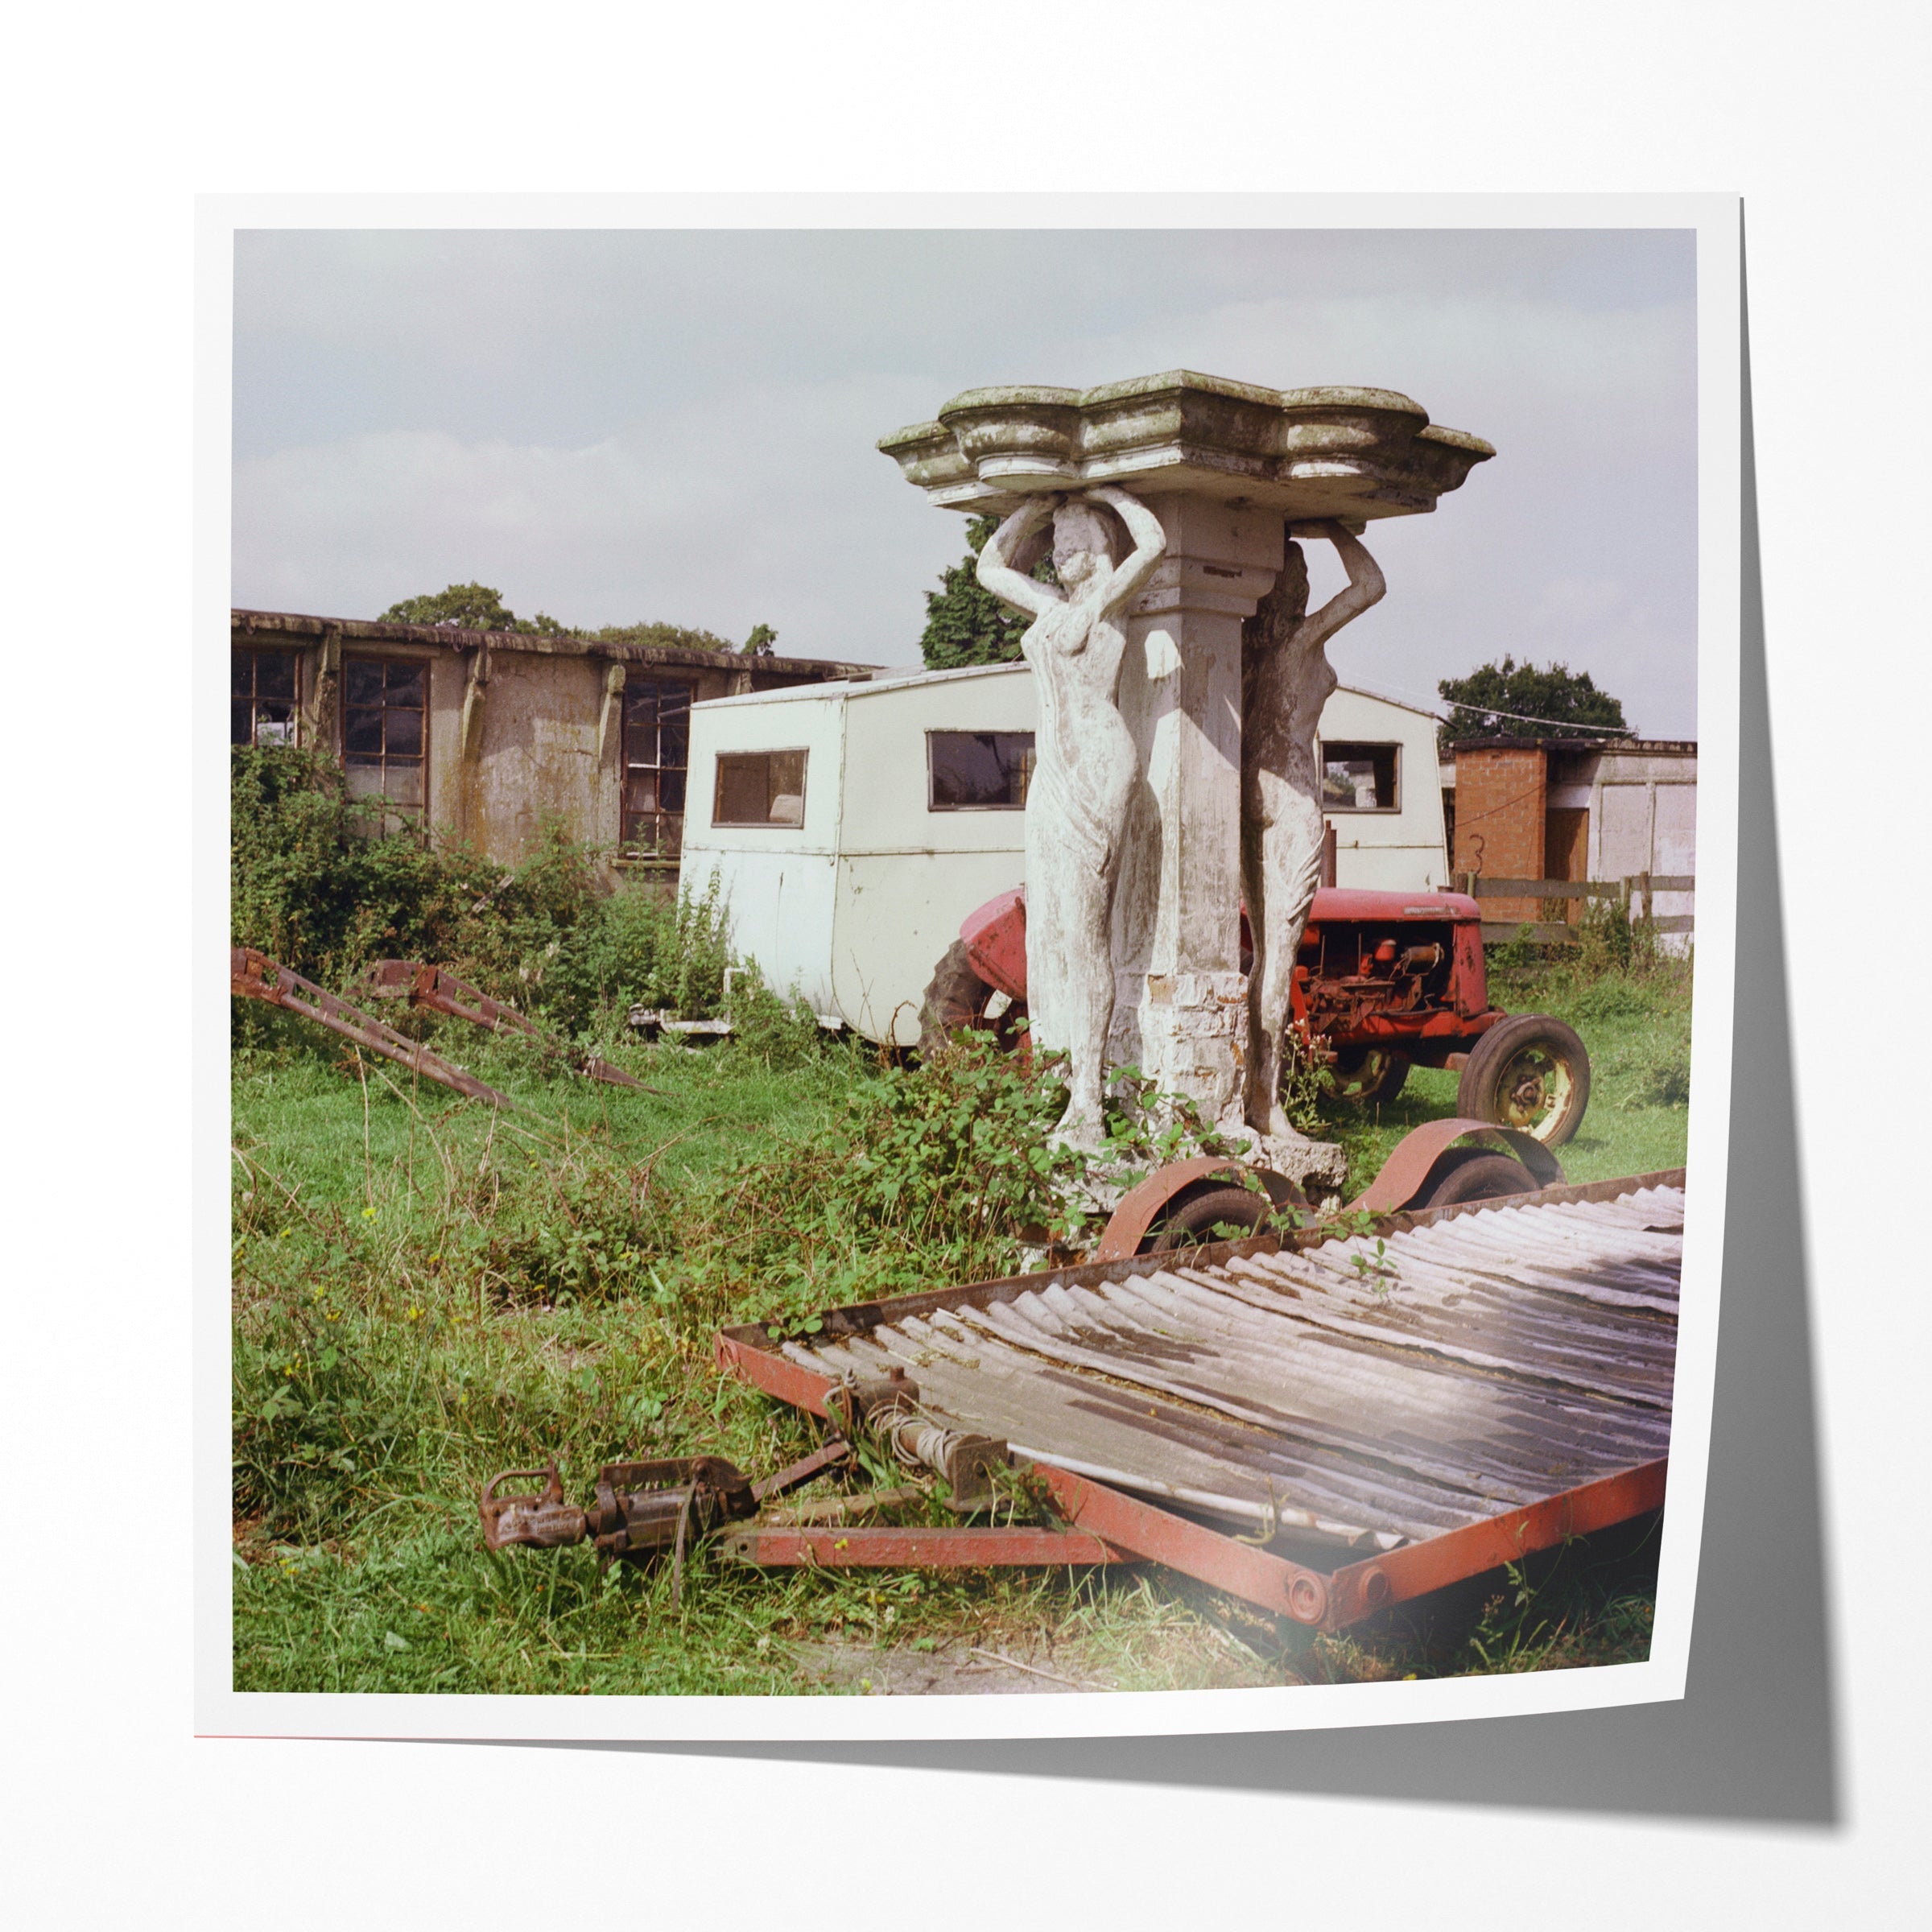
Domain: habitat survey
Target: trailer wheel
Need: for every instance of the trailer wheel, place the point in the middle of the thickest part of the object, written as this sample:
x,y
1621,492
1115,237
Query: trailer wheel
x,y
1469,1174
1195,1219
1365,1076
1530,1072
959,1000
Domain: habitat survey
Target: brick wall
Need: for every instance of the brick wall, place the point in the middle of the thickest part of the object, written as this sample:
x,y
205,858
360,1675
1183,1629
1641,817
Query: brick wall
x,y
1500,794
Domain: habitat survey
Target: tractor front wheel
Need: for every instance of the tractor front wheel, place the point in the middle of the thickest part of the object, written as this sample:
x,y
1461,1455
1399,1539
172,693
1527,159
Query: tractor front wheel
x,y
1530,1072
959,1000
1365,1076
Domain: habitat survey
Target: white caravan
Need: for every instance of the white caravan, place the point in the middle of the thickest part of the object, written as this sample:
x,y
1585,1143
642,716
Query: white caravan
x,y
851,827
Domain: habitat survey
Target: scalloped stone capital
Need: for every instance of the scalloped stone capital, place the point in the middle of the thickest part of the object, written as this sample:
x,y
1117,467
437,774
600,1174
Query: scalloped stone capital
x,y
1350,454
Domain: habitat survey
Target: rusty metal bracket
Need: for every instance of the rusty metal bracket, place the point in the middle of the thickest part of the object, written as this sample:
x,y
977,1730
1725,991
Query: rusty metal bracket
x,y
1409,1162
887,1408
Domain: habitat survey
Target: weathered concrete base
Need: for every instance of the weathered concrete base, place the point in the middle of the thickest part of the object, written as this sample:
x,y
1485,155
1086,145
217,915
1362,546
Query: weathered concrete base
x,y
1188,1033
1318,1168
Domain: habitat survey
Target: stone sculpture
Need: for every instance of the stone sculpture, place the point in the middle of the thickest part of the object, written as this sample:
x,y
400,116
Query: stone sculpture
x,y
1220,469
1286,679
1084,773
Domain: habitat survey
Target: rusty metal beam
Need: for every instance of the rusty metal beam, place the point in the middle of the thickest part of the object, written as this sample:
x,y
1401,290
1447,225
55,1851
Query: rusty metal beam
x,y
253,976
915,1547
441,992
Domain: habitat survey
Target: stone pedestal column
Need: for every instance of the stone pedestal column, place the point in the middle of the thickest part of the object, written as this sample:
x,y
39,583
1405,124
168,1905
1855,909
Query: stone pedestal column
x,y
1181,1008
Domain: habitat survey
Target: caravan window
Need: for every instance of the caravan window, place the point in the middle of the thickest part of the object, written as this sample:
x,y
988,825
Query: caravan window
x,y
760,788
978,770
1359,778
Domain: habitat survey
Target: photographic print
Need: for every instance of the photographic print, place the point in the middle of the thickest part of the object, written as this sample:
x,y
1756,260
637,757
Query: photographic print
x,y
963,942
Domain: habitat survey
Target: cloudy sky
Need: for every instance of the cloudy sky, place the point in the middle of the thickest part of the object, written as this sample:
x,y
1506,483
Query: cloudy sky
x,y
615,426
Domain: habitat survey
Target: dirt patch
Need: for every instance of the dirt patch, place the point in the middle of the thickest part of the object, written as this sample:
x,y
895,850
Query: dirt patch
x,y
956,1670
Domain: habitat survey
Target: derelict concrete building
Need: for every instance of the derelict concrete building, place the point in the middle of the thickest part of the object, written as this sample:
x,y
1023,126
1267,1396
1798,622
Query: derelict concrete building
x,y
484,736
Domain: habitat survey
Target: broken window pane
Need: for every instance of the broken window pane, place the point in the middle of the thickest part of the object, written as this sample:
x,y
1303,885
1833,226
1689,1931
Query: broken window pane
x,y
978,770
362,681
274,674
403,733
657,738
1358,777
264,688
385,729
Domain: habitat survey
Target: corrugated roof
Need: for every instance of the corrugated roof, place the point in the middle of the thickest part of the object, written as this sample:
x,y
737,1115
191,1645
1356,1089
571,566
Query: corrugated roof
x,y
1373,1394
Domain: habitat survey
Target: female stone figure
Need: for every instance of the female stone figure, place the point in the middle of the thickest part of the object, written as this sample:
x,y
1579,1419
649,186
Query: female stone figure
x,y
1286,679
1084,772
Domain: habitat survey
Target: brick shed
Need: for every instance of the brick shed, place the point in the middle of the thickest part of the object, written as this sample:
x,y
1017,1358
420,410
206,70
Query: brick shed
x,y
1554,808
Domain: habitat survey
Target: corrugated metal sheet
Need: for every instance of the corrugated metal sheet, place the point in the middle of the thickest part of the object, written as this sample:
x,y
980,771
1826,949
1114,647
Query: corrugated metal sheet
x,y
1371,1396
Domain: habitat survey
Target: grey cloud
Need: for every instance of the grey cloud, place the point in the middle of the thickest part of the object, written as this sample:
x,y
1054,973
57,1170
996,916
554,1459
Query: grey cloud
x,y
612,426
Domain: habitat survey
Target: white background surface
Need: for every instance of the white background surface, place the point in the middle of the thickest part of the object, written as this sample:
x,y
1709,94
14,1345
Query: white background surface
x,y
119,1816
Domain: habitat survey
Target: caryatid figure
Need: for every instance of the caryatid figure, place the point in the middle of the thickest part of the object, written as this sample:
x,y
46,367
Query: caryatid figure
x,y
1083,774
1286,679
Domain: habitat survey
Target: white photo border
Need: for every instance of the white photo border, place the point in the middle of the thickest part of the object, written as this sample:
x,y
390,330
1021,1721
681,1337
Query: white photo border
x,y
220,1711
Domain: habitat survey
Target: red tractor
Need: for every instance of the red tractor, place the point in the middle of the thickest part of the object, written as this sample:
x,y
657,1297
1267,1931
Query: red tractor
x,y
1385,981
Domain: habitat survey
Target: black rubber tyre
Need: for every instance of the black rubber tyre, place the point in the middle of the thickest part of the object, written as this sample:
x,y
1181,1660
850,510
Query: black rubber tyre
x,y
956,1000
1530,1072
1470,1173
1365,1076
1195,1221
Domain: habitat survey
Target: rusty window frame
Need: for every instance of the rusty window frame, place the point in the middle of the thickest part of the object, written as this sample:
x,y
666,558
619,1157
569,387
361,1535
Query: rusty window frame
x,y
739,763
250,657
657,764
398,813
1338,748
1020,776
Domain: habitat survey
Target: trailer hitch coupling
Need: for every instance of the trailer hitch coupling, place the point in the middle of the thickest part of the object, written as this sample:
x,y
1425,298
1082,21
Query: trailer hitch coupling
x,y
640,1507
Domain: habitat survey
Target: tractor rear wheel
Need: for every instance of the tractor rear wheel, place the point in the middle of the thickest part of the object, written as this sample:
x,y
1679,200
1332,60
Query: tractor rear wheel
x,y
959,1000
1530,1072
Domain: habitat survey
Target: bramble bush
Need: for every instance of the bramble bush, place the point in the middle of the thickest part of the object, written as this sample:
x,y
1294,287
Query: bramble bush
x,y
310,888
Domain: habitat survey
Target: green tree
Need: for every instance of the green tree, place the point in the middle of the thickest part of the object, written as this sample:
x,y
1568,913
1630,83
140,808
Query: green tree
x,y
759,643
675,636
966,625
1513,700
469,607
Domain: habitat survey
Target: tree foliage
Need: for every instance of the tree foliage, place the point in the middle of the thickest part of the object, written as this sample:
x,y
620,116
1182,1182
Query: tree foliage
x,y
966,624
469,607
675,637
1513,700
759,643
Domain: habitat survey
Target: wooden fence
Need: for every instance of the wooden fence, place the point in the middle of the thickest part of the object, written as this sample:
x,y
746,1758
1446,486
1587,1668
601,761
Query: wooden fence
x,y
1637,894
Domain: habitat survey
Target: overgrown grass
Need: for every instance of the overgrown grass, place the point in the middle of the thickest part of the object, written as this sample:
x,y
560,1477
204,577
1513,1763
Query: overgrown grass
x,y
427,1291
